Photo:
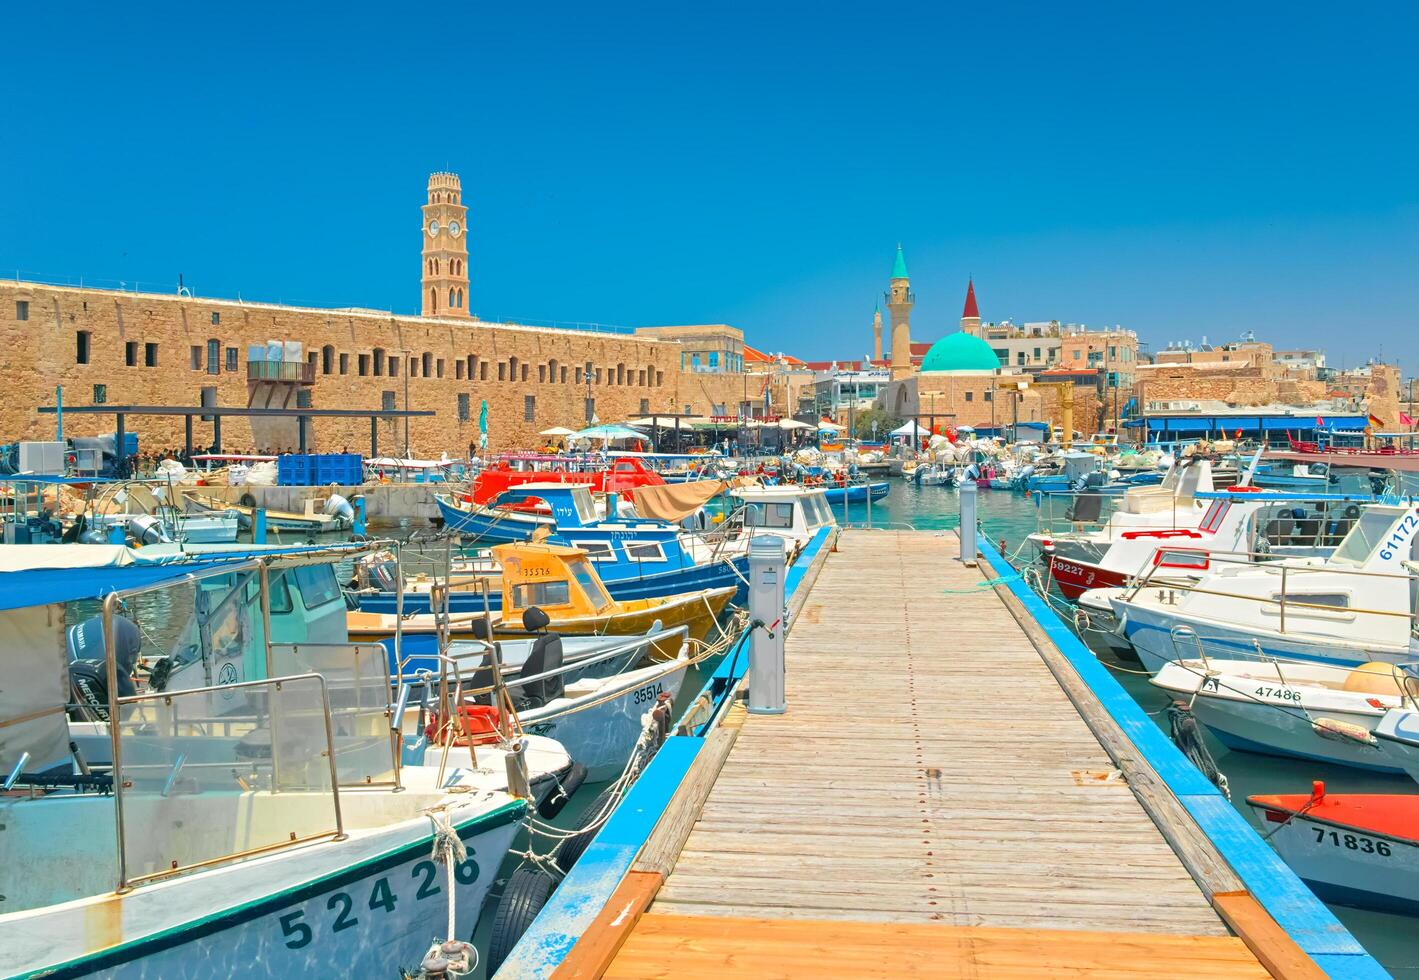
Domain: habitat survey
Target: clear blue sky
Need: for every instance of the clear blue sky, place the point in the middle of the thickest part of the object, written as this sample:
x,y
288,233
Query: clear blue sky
x,y
1179,170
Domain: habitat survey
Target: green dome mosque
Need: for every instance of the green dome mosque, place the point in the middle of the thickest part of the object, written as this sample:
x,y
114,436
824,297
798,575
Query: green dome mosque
x,y
960,352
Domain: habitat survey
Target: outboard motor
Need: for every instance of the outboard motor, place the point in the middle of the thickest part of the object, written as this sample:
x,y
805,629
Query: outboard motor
x,y
338,506
147,529
88,668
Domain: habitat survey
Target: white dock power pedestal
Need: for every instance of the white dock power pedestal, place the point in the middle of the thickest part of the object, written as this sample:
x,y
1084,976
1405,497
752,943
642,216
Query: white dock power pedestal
x,y
766,618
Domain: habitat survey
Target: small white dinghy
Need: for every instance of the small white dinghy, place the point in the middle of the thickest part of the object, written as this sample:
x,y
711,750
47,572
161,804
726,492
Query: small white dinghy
x,y
1312,711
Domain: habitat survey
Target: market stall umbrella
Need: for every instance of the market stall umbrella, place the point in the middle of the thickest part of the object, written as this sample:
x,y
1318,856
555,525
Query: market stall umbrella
x,y
608,433
793,424
825,426
483,427
557,430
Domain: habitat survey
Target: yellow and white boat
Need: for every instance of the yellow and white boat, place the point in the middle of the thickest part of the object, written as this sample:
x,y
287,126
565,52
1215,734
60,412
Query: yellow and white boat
x,y
564,585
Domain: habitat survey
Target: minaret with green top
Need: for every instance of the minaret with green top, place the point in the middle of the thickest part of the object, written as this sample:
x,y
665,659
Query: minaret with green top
x,y
899,306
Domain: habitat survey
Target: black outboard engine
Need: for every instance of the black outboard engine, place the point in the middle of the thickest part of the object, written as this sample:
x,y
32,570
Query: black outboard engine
x,y
88,668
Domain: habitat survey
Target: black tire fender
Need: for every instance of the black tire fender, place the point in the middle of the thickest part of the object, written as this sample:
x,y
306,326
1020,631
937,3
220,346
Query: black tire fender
x,y
566,786
247,500
573,847
527,891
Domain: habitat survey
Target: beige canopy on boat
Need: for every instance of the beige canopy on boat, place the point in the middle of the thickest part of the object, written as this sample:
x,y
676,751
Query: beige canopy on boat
x,y
675,501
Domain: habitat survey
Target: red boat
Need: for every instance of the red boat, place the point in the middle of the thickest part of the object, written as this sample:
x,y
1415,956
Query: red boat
x,y
624,475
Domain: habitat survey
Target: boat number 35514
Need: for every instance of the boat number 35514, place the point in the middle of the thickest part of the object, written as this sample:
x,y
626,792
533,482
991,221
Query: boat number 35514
x,y
1352,842
649,693
346,909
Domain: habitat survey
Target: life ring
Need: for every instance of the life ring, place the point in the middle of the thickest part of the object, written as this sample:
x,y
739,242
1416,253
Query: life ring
x,y
527,891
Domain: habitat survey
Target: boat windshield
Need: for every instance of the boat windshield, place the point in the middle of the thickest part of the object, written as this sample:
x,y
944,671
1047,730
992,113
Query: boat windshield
x,y
585,511
777,516
1369,531
595,593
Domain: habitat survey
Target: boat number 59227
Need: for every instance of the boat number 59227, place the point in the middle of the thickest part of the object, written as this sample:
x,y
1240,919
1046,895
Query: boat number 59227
x,y
346,909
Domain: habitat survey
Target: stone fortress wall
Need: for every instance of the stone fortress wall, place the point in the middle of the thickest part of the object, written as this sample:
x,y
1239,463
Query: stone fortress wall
x,y
153,349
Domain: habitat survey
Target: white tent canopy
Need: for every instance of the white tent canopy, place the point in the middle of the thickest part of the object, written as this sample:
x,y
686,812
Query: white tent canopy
x,y
557,430
911,428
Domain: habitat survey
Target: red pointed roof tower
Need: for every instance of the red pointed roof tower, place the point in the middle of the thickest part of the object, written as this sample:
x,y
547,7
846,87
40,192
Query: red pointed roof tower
x,y
971,309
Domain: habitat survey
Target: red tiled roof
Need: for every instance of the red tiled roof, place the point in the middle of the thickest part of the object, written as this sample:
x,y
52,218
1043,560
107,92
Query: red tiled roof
x,y
752,355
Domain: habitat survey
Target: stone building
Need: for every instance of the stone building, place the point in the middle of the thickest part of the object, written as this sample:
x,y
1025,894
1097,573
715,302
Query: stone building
x,y
127,348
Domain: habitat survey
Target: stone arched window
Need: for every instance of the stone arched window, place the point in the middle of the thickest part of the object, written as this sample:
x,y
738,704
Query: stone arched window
x,y
433,300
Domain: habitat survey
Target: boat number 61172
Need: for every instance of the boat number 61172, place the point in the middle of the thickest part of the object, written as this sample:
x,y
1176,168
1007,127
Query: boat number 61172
x,y
1401,534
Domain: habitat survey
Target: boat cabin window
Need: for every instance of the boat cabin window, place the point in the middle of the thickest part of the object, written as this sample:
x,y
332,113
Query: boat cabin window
x,y
770,515
1369,532
644,551
597,550
595,593
280,595
1335,600
317,584
1212,520
585,511
541,594
1196,560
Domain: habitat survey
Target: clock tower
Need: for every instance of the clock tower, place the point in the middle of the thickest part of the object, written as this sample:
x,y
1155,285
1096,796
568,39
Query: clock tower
x,y
445,282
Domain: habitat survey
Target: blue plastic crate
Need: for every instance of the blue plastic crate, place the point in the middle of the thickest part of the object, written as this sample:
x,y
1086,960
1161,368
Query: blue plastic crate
x,y
293,470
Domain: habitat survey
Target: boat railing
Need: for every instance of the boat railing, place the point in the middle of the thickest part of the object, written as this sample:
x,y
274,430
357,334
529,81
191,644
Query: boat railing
x,y
268,781
1286,574
357,680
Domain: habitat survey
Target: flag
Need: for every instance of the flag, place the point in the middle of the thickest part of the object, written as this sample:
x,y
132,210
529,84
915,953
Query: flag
x,y
1404,419
1320,422
1239,433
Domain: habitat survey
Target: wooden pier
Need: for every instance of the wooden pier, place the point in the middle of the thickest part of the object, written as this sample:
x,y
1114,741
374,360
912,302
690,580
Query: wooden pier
x,y
943,797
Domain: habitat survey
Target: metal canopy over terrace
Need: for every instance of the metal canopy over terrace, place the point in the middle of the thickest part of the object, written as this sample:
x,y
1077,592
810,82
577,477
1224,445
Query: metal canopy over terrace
x,y
217,413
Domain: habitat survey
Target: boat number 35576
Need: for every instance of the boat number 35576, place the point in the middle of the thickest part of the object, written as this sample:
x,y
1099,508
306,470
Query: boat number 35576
x,y
347,909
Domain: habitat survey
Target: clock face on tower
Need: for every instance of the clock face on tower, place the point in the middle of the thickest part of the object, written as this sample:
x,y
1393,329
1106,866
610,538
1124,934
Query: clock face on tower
x,y
453,228
433,227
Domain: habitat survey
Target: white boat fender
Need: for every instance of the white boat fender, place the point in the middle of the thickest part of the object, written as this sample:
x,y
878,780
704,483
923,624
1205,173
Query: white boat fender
x,y
338,506
1343,731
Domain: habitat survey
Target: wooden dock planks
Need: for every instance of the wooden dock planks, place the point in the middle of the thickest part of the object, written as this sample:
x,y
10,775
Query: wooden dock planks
x,y
692,947
929,769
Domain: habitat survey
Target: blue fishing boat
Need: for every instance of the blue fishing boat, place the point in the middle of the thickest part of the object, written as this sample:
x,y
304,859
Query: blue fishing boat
x,y
636,558
856,493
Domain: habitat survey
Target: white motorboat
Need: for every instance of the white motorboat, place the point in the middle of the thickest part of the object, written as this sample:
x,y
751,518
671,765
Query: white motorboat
x,y
1351,608
272,836
1307,710
1169,505
1350,848
790,512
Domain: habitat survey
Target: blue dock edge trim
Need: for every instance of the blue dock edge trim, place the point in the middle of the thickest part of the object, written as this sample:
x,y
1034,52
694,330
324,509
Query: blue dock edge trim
x,y
585,891
1285,897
